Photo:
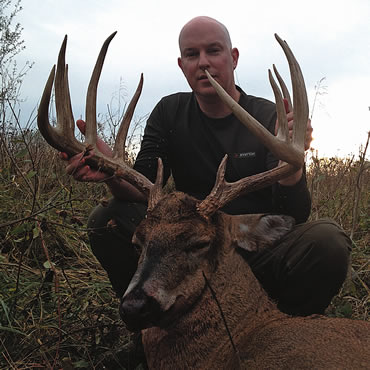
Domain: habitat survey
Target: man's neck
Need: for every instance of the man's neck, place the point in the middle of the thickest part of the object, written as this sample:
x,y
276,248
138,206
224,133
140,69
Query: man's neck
x,y
213,107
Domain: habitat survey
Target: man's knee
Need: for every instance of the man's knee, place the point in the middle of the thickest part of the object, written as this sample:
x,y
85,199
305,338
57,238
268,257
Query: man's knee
x,y
115,217
98,218
111,226
306,268
329,241
123,213
110,232
317,267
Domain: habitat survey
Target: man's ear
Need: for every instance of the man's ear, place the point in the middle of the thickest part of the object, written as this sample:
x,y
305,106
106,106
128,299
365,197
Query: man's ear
x,y
179,62
255,232
235,56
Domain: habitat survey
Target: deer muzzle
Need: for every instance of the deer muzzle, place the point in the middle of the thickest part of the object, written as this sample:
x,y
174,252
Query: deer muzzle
x,y
146,302
139,310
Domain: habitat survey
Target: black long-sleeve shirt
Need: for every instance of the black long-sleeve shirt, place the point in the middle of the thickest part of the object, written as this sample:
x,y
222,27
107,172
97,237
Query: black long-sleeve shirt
x,y
192,145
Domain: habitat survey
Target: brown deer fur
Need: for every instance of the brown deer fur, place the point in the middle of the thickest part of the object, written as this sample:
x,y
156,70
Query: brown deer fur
x,y
182,325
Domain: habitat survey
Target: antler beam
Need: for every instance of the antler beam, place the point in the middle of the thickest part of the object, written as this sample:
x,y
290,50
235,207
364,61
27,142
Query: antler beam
x,y
285,149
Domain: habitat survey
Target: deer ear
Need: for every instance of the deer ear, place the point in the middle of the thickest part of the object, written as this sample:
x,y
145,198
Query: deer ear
x,y
255,232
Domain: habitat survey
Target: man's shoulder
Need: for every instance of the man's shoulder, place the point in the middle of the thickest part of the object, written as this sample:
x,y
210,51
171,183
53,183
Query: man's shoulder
x,y
256,101
262,109
170,109
173,106
260,101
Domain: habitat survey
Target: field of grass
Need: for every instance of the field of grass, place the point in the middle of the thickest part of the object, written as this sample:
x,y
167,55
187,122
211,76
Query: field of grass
x,y
57,309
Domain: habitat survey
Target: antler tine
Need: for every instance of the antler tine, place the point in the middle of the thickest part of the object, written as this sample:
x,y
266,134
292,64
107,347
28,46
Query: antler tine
x,y
284,89
283,130
300,101
60,137
220,193
47,131
224,191
68,104
119,146
65,118
156,192
91,129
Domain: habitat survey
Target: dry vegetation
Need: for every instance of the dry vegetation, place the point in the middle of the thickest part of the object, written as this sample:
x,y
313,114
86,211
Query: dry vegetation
x,y
57,307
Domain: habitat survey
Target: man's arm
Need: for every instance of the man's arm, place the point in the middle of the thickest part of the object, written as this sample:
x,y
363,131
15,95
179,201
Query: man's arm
x,y
154,144
291,195
293,200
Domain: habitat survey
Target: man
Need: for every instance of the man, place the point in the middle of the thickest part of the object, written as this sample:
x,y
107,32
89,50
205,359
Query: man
x,y
191,132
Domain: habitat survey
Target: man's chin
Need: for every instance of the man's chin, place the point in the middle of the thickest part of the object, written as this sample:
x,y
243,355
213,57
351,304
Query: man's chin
x,y
206,92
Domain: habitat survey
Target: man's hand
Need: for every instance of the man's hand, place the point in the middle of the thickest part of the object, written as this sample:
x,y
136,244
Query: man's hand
x,y
290,117
80,171
77,166
293,179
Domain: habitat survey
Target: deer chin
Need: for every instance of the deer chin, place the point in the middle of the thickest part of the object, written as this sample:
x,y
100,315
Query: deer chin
x,y
181,307
172,314
153,315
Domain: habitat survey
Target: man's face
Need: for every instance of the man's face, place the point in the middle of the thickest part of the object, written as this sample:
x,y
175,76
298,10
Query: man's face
x,y
205,45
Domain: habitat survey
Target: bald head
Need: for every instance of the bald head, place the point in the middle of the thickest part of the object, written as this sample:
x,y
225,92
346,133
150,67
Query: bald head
x,y
204,24
205,45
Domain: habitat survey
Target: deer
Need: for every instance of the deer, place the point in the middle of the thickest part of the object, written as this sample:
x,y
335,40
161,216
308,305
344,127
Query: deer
x,y
194,298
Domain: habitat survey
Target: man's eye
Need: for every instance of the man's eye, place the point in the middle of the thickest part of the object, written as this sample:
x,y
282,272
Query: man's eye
x,y
190,54
213,51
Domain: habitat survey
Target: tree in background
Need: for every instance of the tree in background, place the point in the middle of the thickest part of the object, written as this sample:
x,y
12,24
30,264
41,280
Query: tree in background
x,y
11,44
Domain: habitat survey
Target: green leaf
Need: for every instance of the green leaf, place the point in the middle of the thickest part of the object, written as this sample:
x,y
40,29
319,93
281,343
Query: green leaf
x,y
5,310
35,232
19,229
345,310
47,264
24,227
81,364
19,240
21,153
31,174
11,330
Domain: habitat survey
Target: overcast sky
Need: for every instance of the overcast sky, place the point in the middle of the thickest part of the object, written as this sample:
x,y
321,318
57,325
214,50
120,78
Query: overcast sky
x,y
331,40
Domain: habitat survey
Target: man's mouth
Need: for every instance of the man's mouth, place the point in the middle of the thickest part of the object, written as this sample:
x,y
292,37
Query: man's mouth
x,y
204,77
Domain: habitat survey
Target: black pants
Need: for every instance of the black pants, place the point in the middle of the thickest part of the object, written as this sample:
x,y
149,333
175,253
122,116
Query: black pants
x,y
302,272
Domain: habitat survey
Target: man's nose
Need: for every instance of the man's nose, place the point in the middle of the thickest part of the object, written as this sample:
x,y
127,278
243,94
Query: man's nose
x,y
203,61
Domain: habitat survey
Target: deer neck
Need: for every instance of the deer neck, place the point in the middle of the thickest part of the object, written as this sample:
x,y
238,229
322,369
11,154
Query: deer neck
x,y
202,332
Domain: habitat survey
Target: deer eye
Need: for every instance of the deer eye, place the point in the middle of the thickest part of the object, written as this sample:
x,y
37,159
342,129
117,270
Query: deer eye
x,y
137,248
198,246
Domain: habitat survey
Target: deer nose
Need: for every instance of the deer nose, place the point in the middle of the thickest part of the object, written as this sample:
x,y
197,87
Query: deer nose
x,y
139,311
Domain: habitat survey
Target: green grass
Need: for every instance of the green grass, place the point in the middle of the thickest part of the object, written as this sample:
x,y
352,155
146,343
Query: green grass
x,y
57,308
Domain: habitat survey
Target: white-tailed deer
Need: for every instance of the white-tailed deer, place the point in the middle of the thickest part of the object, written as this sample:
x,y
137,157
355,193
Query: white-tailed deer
x,y
194,297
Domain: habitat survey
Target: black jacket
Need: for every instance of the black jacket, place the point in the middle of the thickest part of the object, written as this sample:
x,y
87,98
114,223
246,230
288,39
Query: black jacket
x,y
192,146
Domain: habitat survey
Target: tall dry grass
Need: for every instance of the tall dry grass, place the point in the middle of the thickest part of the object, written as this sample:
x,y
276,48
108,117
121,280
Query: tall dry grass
x,y
57,307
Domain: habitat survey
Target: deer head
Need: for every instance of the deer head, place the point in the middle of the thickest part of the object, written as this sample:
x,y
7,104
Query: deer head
x,y
180,249
182,238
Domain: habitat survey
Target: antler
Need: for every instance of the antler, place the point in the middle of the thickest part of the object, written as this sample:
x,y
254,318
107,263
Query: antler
x,y
62,136
285,149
